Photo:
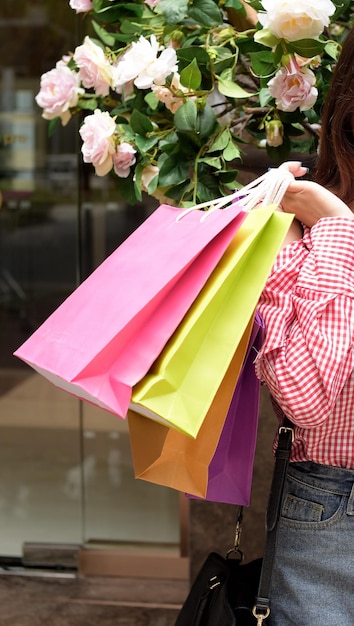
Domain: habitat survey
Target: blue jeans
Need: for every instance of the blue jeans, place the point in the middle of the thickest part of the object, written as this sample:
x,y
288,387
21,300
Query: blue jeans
x,y
313,579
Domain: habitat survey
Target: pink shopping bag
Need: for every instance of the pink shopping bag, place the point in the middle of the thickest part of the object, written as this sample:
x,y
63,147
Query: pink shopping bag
x,y
105,336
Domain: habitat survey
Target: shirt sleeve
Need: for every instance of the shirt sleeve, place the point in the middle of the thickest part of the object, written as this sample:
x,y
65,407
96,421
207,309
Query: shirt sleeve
x,y
307,308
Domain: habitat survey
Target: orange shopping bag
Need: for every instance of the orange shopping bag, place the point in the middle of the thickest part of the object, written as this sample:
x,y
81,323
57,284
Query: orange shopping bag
x,y
168,457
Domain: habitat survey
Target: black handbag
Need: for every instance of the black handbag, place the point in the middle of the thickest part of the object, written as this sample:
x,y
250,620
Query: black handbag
x,y
227,592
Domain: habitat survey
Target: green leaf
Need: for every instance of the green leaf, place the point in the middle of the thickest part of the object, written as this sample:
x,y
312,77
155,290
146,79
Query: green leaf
x,y
186,117
231,152
191,76
114,12
140,123
128,190
90,104
341,7
232,90
333,49
228,176
173,171
212,162
266,38
129,27
307,48
99,5
120,119
262,63
104,35
152,186
264,97
52,125
278,53
176,192
186,56
225,59
174,11
221,141
205,12
207,189
237,5
256,4
151,100
206,121
168,142
144,144
311,116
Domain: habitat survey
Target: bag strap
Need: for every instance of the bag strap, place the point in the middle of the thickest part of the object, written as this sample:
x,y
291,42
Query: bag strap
x,y
261,610
269,188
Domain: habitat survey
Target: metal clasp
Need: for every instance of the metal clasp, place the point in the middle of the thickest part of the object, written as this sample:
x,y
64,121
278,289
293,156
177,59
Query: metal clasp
x,y
235,551
285,429
260,617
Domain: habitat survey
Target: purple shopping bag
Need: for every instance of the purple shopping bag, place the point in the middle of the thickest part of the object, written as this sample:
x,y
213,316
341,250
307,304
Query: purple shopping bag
x,y
231,468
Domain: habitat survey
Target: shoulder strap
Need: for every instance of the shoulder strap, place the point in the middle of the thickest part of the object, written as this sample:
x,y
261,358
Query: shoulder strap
x,y
261,609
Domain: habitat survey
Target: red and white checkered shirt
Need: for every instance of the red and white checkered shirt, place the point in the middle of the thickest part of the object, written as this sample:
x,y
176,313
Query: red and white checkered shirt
x,y
307,356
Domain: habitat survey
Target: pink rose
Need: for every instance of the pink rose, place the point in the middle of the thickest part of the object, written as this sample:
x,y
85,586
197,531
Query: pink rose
x,y
97,134
123,159
293,87
81,6
152,3
172,96
59,91
95,69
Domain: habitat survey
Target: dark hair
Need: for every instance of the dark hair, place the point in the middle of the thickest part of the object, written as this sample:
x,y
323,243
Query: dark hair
x,y
335,164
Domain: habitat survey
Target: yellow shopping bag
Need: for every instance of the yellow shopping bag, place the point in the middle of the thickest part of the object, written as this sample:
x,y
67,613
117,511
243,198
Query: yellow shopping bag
x,y
180,386
165,456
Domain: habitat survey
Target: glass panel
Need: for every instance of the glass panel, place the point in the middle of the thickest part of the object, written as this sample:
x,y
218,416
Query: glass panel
x,y
65,467
118,508
40,464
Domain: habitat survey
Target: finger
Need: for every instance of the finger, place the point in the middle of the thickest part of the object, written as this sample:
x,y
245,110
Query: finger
x,y
295,186
295,168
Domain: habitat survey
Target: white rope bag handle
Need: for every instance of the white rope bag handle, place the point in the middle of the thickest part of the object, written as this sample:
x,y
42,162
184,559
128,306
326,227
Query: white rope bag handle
x,y
263,191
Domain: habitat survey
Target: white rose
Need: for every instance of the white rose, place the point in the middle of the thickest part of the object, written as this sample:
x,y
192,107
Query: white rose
x,y
145,63
296,19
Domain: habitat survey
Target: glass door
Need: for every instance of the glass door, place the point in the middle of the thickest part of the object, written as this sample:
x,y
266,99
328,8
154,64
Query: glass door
x,y
66,473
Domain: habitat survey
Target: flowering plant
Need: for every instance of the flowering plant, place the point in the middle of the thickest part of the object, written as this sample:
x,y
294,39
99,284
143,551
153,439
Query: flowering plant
x,y
171,90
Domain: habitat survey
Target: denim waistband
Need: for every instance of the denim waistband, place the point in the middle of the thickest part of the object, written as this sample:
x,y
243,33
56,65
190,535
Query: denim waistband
x,y
335,479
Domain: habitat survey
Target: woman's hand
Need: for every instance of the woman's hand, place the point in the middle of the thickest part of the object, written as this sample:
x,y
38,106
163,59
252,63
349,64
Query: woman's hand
x,y
309,201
